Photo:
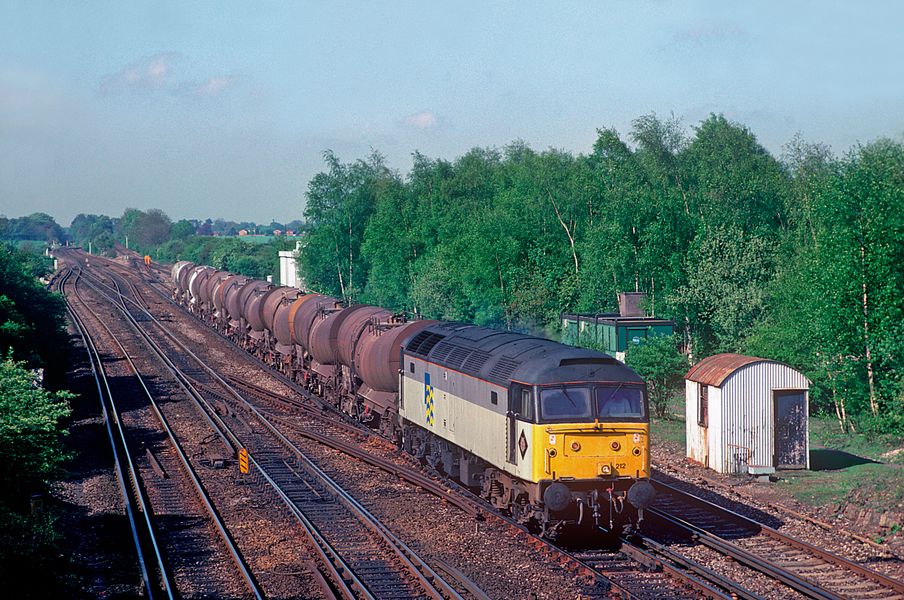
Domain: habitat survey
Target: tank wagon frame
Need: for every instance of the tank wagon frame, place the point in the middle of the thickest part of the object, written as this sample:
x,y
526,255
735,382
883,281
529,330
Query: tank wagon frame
x,y
556,435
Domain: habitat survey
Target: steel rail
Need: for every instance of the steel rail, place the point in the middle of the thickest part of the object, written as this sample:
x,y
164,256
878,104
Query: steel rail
x,y
477,506
338,571
706,537
429,580
132,504
635,552
226,538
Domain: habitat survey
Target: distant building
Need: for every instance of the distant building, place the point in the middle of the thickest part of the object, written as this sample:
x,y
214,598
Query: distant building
x,y
243,232
747,415
614,333
288,267
277,232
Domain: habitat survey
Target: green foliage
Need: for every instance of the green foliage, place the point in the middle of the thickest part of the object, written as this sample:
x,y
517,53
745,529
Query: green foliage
x,y
745,252
339,206
94,229
31,317
182,229
251,258
658,361
30,431
36,226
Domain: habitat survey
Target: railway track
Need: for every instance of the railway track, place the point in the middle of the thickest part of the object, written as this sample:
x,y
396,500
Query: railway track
x,y
809,570
360,556
652,572
176,527
154,575
846,579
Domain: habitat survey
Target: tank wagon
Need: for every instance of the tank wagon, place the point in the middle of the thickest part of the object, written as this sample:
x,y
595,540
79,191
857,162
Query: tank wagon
x,y
556,435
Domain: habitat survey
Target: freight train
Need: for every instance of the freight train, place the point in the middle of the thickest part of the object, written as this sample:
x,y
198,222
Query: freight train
x,y
556,436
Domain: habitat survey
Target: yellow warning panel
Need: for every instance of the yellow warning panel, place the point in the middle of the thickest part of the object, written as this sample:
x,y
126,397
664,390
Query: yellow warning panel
x,y
243,461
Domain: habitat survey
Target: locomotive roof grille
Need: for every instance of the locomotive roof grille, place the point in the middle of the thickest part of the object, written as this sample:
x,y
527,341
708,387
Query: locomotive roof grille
x,y
476,360
504,368
458,356
442,351
590,360
424,342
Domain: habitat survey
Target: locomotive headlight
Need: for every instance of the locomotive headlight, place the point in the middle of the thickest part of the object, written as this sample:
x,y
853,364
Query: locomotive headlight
x,y
636,451
552,452
575,446
615,446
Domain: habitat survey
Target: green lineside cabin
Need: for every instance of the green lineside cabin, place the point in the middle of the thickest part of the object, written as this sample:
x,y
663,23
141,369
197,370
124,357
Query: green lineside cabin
x,y
614,332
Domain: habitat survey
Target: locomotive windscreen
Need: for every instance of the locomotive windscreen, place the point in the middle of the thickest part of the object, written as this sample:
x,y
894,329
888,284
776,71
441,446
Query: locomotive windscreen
x,y
584,403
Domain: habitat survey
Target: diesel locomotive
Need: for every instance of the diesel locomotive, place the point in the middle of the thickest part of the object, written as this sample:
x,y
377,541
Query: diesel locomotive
x,y
557,436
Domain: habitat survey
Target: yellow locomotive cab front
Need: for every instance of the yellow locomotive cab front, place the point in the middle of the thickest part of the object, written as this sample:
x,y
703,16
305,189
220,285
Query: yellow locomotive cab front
x,y
592,451
592,456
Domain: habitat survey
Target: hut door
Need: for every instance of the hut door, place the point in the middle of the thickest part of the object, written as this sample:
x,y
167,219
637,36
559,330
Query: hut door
x,y
790,429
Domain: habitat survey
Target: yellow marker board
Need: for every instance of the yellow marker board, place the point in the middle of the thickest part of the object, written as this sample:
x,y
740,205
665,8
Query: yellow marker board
x,y
243,461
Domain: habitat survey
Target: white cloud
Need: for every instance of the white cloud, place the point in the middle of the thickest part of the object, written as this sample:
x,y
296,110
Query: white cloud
x,y
165,72
148,74
422,120
214,86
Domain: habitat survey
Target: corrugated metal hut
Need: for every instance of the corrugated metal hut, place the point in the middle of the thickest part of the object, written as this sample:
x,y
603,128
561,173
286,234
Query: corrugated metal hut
x,y
747,415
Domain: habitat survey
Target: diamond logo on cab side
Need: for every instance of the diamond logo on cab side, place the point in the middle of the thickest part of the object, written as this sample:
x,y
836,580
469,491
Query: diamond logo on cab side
x,y
522,444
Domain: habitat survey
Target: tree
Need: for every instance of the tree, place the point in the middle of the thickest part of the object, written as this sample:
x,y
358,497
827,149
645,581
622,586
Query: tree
x,y
206,228
36,227
182,229
657,360
150,229
31,317
724,295
30,433
30,426
339,203
733,180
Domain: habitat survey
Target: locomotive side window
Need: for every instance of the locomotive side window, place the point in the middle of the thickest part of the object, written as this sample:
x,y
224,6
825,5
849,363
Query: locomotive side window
x,y
411,367
526,410
494,398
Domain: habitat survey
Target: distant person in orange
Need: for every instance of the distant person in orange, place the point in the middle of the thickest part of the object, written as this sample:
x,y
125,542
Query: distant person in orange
x,y
147,260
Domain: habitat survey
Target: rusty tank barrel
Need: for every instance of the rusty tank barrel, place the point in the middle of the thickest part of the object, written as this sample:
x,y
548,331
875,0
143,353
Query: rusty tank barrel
x,y
251,309
235,297
283,319
184,272
196,281
249,292
276,299
177,269
324,338
379,352
221,297
352,327
307,314
213,280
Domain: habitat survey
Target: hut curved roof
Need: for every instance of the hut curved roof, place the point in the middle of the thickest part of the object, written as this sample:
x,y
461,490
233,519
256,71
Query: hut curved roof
x,y
716,369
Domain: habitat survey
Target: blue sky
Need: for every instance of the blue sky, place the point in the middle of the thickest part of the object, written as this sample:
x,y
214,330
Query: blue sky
x,y
224,108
